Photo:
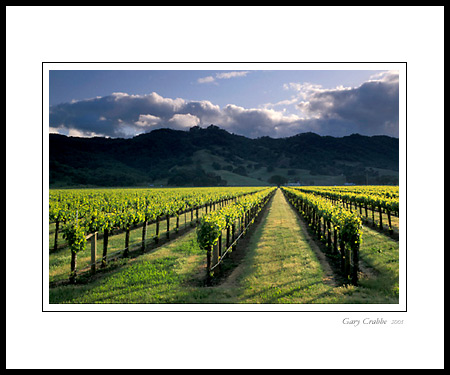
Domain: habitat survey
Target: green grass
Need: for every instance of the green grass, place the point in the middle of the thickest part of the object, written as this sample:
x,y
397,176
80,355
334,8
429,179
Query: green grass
x,y
280,266
156,277
381,255
395,221
59,261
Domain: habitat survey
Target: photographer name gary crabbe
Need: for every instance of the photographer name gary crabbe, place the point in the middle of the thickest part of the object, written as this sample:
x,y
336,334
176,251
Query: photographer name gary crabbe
x,y
370,321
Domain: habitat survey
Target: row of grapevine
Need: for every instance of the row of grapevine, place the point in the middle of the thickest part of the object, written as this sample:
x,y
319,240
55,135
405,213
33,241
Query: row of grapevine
x,y
84,212
376,198
324,217
234,219
381,190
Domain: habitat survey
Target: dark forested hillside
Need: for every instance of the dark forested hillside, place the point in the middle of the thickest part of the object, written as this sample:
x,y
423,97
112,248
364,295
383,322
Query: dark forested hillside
x,y
212,156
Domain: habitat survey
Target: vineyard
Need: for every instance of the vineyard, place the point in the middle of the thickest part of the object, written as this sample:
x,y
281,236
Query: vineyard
x,y
352,230
329,210
83,213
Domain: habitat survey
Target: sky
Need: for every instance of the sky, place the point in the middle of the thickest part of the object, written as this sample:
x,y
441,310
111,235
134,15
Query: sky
x,y
253,103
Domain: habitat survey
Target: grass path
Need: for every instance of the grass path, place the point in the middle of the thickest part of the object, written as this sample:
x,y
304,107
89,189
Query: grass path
x,y
280,265
283,264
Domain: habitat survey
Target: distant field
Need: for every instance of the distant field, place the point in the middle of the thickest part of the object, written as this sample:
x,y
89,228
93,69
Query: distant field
x,y
256,176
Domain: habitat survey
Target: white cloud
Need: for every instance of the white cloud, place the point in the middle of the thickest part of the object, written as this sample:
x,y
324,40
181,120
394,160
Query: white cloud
x,y
148,120
388,76
286,102
84,134
119,95
229,75
225,75
371,108
256,122
173,104
208,79
306,89
184,121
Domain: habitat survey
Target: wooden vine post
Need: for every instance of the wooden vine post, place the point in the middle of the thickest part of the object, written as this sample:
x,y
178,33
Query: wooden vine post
x,y
389,220
93,252
335,240
233,234
73,267
347,260
144,235
127,243
342,255
381,217
168,226
209,250
329,234
355,254
157,230
55,245
215,253
219,248
105,246
76,239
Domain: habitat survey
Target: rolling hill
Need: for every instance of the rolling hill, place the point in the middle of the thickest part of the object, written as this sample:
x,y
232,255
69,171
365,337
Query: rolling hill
x,y
212,156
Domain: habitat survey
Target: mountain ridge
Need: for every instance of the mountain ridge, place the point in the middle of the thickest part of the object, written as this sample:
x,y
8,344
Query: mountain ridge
x,y
212,156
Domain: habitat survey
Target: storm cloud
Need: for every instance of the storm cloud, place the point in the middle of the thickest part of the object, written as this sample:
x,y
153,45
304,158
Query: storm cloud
x,y
369,109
